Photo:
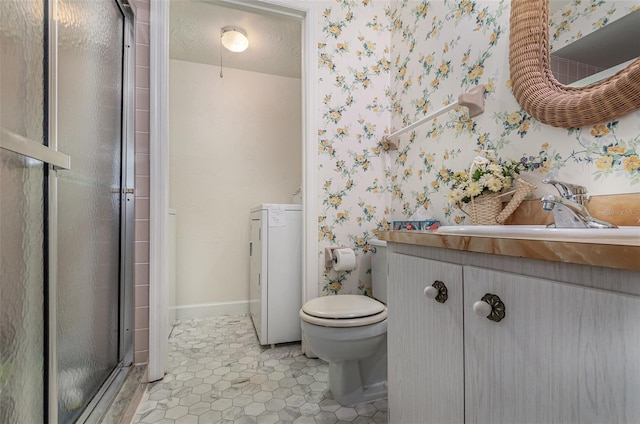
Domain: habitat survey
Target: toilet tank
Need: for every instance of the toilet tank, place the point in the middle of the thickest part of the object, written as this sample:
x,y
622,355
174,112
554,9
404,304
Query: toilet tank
x,y
379,269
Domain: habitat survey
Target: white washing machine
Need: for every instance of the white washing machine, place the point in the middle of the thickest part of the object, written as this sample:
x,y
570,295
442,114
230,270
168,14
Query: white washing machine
x,y
275,283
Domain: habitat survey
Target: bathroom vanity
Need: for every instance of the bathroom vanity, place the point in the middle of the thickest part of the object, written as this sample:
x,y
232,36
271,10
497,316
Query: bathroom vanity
x,y
563,344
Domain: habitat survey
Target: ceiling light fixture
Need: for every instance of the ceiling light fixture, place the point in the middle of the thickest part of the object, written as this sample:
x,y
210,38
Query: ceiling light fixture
x,y
234,39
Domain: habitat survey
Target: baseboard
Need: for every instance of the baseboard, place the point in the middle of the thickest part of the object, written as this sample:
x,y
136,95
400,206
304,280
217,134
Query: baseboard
x,y
210,310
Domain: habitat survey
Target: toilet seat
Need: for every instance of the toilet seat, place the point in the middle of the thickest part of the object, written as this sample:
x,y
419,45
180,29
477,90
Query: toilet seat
x,y
346,310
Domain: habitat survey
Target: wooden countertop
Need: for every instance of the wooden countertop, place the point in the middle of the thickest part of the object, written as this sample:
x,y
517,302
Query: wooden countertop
x,y
605,255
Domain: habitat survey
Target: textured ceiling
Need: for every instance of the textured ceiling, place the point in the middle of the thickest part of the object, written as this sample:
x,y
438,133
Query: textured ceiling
x,y
274,42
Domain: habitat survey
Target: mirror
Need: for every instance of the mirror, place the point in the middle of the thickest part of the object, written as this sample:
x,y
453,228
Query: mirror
x,y
542,96
588,57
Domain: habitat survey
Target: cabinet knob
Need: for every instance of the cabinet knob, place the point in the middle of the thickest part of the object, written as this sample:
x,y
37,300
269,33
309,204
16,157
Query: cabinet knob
x,y
437,291
491,307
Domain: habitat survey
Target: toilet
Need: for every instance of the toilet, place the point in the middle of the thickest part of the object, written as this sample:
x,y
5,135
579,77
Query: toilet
x,y
350,333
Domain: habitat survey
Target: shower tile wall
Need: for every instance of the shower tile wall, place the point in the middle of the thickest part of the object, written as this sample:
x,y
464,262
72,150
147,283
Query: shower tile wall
x,y
567,71
141,260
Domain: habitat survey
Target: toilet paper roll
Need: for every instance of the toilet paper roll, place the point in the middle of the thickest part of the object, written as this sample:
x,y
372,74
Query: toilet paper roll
x,y
344,259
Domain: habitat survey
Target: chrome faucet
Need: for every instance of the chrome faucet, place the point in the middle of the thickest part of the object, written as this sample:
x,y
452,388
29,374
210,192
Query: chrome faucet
x,y
573,192
569,210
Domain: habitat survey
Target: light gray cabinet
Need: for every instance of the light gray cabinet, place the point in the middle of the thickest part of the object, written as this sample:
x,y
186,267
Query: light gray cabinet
x,y
563,353
424,342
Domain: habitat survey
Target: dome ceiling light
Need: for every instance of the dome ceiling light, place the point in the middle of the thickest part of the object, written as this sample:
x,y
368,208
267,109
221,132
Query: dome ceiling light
x,y
234,39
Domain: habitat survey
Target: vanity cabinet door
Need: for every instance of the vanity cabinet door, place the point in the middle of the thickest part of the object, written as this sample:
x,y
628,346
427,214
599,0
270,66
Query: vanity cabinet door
x,y
562,353
424,342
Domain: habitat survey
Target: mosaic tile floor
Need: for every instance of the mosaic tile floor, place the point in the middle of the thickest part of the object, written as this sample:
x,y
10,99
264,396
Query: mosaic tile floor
x,y
218,373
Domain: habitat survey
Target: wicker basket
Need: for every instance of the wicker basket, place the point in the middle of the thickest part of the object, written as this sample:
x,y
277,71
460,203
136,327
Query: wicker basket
x,y
487,209
483,210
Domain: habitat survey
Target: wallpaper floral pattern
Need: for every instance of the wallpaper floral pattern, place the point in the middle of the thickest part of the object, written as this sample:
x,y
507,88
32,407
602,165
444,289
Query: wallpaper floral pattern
x,y
386,64
354,67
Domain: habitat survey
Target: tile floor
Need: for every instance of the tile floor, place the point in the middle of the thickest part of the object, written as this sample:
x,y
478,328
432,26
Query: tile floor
x,y
218,373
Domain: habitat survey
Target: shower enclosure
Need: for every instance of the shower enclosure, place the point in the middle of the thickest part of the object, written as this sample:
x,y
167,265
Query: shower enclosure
x,y
66,207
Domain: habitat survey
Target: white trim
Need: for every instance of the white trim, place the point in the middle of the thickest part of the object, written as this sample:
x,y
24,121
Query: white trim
x,y
159,27
210,309
158,195
310,99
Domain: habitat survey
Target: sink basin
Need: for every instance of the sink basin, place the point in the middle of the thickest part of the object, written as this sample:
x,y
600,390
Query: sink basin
x,y
623,235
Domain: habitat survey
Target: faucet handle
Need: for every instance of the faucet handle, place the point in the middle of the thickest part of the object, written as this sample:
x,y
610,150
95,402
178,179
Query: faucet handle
x,y
570,191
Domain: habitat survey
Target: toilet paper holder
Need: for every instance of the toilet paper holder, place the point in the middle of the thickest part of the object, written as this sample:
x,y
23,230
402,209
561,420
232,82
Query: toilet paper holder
x,y
328,255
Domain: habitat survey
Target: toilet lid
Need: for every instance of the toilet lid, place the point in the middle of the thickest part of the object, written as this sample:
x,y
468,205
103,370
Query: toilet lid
x,y
344,306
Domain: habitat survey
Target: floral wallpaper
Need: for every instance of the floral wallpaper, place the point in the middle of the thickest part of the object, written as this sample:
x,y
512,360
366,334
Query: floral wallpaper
x,y
354,68
383,65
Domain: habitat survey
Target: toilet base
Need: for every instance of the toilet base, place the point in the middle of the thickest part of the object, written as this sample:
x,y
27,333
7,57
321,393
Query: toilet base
x,y
345,383
306,349
359,381
357,358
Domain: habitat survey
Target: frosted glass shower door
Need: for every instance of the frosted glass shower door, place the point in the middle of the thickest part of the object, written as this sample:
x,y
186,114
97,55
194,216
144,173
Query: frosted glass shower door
x,y
22,351
66,219
90,101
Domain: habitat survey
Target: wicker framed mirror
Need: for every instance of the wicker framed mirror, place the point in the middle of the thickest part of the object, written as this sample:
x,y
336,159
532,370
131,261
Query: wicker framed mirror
x,y
544,98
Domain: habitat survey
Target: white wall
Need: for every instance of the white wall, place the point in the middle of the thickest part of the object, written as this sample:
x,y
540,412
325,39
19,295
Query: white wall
x,y
235,142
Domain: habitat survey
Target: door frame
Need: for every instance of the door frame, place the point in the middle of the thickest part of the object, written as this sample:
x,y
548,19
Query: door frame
x,y
159,161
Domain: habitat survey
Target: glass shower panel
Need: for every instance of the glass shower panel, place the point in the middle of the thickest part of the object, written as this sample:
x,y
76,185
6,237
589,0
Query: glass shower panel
x,y
21,290
21,215
90,59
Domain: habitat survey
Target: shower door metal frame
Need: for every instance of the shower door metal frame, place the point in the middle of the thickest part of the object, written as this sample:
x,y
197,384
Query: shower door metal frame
x,y
127,194
97,407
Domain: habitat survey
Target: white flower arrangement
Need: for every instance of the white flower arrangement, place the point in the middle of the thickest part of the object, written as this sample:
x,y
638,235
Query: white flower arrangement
x,y
485,176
